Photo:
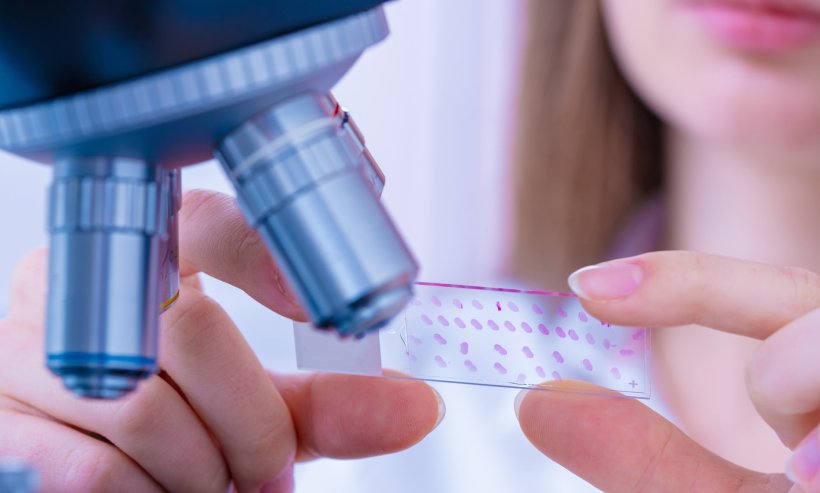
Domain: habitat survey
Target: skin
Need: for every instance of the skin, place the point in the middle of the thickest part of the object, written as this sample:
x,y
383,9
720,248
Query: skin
x,y
214,417
736,342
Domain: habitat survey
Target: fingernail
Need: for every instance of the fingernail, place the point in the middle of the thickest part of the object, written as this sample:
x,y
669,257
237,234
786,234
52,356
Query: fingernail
x,y
803,464
442,409
606,282
282,484
518,399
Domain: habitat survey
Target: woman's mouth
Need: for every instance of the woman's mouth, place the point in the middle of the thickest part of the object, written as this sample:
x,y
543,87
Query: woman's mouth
x,y
759,26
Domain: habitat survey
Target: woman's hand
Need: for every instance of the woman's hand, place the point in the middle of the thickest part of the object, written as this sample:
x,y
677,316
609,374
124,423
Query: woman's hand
x,y
622,446
213,416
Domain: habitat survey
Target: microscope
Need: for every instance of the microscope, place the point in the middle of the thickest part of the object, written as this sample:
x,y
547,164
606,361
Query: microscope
x,y
117,96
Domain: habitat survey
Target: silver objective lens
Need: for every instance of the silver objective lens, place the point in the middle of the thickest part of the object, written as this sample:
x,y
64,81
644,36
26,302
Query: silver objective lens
x,y
304,180
107,217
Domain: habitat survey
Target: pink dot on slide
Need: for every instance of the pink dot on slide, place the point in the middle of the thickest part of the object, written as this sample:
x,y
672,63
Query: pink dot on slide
x,y
427,320
464,347
457,303
537,309
512,306
527,352
470,366
500,349
500,368
492,324
556,375
561,312
509,325
590,339
477,304
439,339
560,332
540,371
626,352
573,335
526,327
443,321
440,361
616,373
475,323
521,378
435,300
459,322
557,356
582,316
587,364
543,329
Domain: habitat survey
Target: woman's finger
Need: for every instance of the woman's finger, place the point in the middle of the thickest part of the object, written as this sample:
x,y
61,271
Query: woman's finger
x,y
620,445
154,425
223,381
345,416
803,466
664,289
215,239
784,379
67,460
28,289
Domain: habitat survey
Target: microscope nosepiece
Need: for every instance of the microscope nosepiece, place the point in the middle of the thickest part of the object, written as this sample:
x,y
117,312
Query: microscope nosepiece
x,y
308,184
106,222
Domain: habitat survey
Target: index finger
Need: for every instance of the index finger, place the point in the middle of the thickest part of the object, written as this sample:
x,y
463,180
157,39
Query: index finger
x,y
664,289
215,239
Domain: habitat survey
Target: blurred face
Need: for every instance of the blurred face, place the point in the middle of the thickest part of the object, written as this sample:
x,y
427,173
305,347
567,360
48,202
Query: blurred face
x,y
732,72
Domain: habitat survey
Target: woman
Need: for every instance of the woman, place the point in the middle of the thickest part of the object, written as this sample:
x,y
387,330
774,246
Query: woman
x,y
590,153
707,142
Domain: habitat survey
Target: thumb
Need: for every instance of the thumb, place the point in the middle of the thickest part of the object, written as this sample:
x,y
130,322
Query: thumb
x,y
619,445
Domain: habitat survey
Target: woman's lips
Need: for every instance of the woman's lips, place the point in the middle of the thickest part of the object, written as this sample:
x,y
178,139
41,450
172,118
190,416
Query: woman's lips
x,y
759,26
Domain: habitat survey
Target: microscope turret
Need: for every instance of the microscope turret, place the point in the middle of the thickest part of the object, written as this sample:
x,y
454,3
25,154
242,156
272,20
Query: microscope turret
x,y
118,95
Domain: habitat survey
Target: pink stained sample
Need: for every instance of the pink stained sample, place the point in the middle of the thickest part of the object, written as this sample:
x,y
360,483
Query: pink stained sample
x,y
458,304
590,339
414,339
573,335
626,352
537,309
526,327
582,316
498,305
527,352
560,332
521,378
540,372
459,322
500,368
512,306
492,324
443,321
440,339
607,344
435,300
587,365
440,361
470,365
543,329
509,325
464,348
427,320
558,357
477,304
561,312
475,323
556,375
500,349
616,373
